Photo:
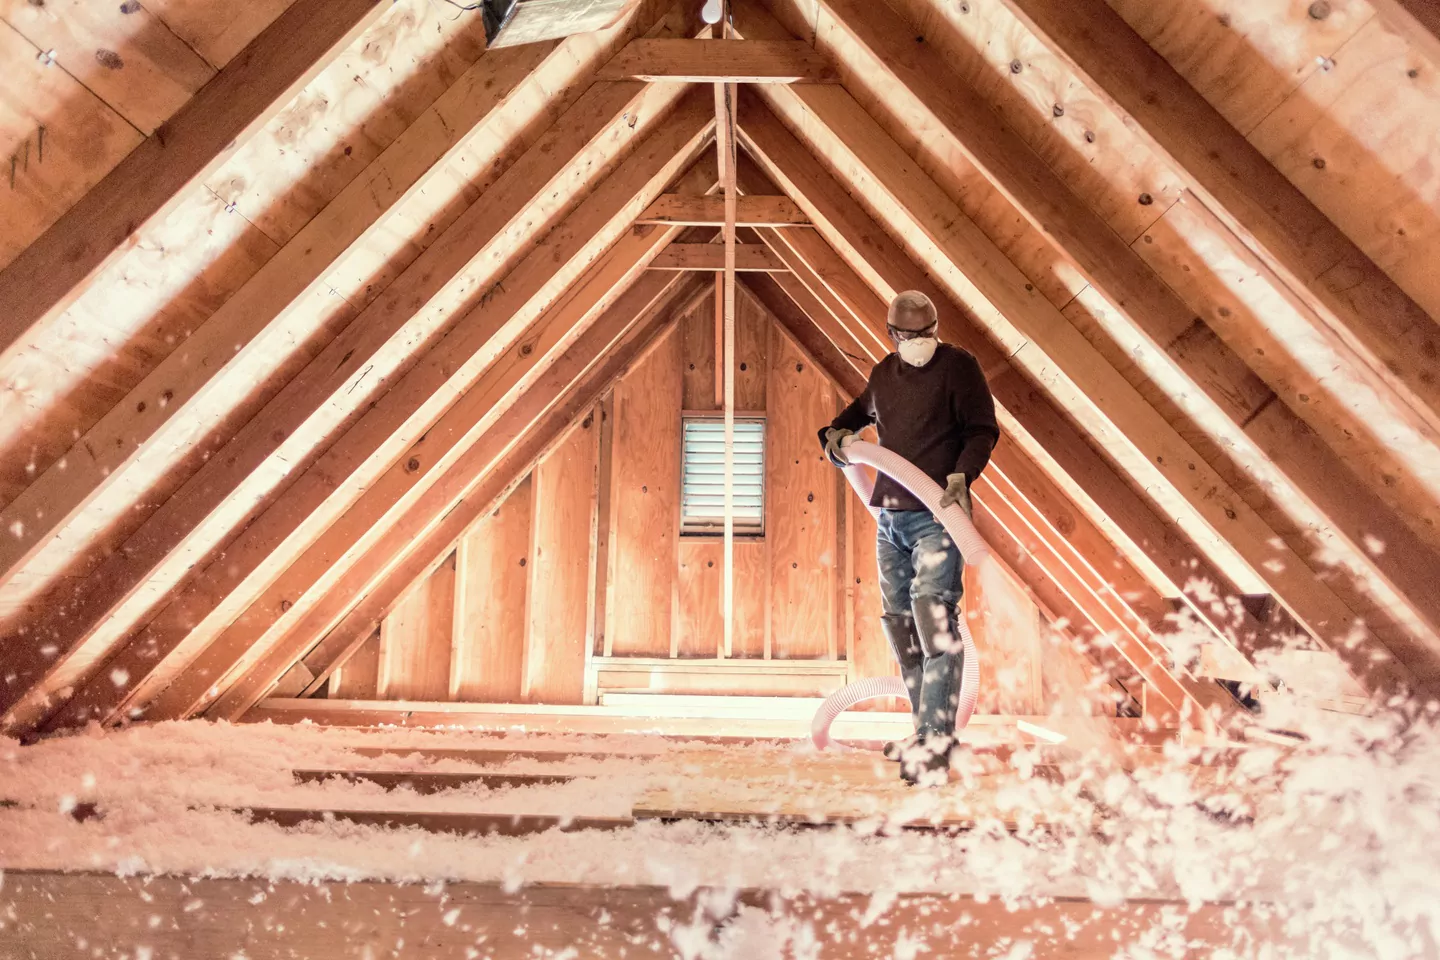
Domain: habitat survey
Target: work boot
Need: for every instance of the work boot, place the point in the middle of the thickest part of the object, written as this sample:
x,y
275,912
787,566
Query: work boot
x,y
895,749
927,763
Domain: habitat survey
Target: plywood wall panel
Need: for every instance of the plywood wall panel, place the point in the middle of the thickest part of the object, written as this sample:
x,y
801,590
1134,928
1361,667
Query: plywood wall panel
x,y
697,331
645,503
358,677
752,347
560,568
800,515
701,630
492,585
415,640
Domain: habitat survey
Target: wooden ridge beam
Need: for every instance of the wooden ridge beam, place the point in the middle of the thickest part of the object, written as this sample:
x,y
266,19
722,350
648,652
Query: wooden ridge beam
x,y
222,115
709,211
351,370
1358,306
1318,485
334,624
1044,342
720,61
1024,410
710,257
195,386
494,328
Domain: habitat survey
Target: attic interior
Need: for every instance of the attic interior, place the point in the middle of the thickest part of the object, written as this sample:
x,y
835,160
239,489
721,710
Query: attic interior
x,y
416,543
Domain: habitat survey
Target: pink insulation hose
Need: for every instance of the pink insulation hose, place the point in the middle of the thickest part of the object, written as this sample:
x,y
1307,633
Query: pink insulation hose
x,y
972,548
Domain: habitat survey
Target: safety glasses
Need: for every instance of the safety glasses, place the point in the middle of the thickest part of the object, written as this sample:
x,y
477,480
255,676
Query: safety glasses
x,y
900,336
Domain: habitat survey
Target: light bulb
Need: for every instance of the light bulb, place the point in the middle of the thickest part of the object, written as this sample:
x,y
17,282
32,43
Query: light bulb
x,y
711,12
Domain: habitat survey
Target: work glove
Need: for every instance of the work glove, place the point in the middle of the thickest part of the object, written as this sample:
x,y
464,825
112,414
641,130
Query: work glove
x,y
957,491
834,437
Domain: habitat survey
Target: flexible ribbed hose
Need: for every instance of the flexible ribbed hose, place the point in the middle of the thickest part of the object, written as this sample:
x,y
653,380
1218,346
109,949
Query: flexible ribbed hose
x,y
972,548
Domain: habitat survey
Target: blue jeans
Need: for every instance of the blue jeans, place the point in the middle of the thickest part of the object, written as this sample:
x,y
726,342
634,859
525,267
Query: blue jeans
x,y
920,588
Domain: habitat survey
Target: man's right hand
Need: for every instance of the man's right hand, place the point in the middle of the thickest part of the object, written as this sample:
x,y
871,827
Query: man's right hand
x,y
834,438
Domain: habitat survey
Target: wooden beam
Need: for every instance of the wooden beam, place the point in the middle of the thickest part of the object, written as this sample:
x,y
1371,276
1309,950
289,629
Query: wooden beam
x,y
339,381
749,257
81,622
143,435
377,518
493,332
1417,21
1054,352
721,61
675,210
1108,498
1354,304
49,274
340,621
1318,486
111,914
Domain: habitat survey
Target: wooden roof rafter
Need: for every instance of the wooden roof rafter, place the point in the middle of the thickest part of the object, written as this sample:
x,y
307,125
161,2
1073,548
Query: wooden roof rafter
x,y
1052,350
354,605
307,507
840,219
46,277
1314,477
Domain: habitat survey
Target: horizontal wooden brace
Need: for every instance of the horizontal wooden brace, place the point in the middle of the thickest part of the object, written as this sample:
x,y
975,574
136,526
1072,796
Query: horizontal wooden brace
x,y
720,61
676,210
749,257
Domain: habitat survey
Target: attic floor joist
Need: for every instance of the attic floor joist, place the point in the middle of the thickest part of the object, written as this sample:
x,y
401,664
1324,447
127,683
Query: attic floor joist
x,y
1212,449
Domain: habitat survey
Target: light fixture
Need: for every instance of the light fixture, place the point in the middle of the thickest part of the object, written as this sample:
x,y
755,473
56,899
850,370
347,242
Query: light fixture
x,y
712,12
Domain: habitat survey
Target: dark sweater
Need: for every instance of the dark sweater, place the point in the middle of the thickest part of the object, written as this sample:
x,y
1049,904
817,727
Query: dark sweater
x,y
940,417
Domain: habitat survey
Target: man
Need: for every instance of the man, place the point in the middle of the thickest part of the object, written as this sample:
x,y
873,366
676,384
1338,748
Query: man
x,y
931,405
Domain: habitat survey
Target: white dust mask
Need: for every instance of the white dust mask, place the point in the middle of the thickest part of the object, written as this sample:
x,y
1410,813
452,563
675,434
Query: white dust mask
x,y
917,351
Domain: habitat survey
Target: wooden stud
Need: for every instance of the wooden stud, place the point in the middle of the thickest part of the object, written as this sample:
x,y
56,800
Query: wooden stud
x,y
720,61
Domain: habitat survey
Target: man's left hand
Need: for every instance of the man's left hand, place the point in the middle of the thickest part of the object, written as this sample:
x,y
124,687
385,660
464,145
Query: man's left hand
x,y
957,491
